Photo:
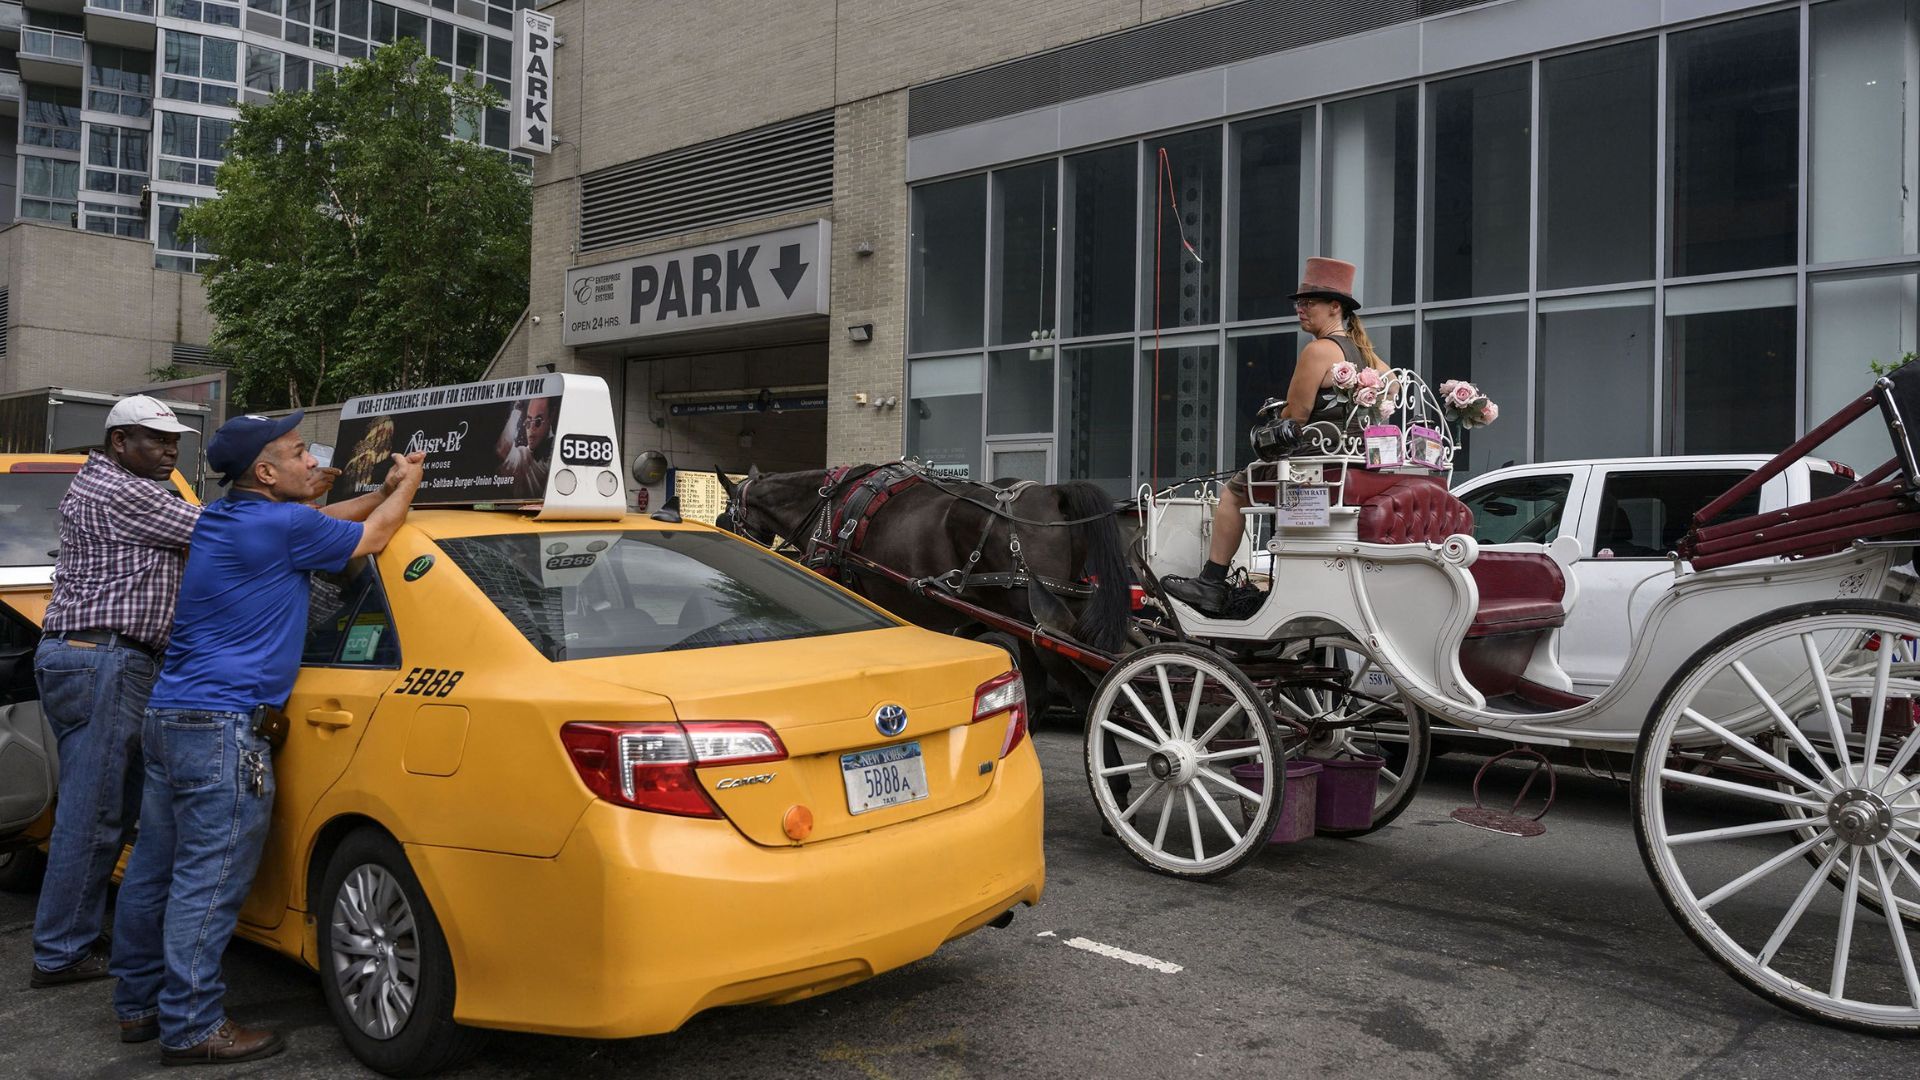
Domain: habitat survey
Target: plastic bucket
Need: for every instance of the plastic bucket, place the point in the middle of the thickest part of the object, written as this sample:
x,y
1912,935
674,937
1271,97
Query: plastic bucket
x,y
1297,800
1348,789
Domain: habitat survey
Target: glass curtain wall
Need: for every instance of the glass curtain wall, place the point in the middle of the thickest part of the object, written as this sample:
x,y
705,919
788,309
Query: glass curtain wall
x,y
1623,244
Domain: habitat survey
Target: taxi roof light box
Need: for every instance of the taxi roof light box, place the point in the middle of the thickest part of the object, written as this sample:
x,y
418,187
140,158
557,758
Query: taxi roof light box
x,y
540,440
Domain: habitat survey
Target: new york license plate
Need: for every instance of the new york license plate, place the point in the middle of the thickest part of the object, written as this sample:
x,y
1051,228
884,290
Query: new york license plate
x,y
888,776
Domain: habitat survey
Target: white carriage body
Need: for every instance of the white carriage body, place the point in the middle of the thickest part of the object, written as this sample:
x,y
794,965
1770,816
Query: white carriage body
x,y
1411,605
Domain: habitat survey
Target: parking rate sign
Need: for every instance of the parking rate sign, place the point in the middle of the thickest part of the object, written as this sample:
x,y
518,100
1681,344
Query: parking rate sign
x,y
533,83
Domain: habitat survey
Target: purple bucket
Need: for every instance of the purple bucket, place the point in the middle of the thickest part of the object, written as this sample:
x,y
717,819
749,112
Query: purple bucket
x,y
1297,799
1348,790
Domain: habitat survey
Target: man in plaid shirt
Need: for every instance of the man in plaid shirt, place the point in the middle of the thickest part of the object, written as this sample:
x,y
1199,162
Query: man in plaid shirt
x,y
123,543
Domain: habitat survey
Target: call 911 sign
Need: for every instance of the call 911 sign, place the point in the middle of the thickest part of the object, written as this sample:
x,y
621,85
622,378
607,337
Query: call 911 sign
x,y
772,275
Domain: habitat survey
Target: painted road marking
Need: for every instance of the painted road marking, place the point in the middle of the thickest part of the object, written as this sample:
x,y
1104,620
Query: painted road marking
x,y
1113,953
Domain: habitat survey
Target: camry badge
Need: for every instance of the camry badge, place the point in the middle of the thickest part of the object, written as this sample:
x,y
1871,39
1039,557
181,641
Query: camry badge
x,y
891,720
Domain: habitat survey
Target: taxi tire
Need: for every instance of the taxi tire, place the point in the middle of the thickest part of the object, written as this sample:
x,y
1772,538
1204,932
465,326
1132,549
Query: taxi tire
x,y
431,1040
22,869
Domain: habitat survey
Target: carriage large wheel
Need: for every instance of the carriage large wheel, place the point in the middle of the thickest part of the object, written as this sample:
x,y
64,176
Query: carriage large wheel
x,y
1726,822
1168,725
1384,724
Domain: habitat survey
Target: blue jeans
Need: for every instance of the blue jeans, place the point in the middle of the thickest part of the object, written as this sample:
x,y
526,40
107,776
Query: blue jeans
x,y
202,826
93,697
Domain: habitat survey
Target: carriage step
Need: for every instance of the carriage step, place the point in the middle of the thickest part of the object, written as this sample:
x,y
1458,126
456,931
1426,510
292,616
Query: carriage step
x,y
1514,820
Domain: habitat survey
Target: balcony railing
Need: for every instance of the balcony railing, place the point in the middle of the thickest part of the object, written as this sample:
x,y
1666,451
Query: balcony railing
x,y
127,7
47,44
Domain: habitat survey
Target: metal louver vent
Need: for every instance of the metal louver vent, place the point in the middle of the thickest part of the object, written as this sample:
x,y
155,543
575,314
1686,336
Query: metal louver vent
x,y
1207,38
759,173
6,320
194,354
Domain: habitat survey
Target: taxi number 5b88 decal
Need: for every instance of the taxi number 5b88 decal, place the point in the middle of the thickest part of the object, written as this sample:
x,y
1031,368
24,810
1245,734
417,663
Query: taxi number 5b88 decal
x,y
430,682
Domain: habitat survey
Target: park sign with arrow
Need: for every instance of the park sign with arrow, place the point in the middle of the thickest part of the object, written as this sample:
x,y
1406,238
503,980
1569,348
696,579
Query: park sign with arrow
x,y
748,279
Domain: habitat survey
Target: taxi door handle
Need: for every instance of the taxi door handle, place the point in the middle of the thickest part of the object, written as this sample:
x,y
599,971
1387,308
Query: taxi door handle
x,y
326,718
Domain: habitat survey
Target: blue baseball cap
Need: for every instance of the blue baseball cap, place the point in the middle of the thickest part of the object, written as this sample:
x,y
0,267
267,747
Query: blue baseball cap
x,y
237,445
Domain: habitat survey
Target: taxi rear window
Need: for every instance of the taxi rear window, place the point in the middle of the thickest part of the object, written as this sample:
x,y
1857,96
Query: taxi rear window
x,y
30,517
576,595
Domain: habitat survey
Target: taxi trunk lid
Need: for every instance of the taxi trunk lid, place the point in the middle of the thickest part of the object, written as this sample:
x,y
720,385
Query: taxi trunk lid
x,y
823,697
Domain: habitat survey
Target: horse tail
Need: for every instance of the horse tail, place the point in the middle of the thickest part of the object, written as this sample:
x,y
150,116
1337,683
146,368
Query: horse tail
x,y
1103,622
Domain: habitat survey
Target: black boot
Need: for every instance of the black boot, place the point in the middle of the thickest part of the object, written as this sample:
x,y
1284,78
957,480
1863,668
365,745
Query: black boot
x,y
1206,595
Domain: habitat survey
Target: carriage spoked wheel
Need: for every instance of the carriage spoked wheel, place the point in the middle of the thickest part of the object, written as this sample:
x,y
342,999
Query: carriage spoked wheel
x,y
1168,725
1749,769
1381,723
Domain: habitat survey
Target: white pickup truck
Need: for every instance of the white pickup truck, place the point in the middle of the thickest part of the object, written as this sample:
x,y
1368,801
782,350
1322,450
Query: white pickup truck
x,y
1627,513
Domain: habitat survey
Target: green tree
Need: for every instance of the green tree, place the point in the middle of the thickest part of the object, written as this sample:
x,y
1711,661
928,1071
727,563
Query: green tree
x,y
362,246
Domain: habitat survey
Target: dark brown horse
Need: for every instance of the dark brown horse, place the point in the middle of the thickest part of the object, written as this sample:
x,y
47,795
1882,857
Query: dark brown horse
x,y
1063,534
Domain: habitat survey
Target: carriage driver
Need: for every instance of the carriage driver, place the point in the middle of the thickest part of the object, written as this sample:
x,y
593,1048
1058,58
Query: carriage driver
x,y
1329,312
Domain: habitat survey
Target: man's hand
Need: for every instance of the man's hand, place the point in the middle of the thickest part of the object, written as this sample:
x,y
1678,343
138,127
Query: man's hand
x,y
406,469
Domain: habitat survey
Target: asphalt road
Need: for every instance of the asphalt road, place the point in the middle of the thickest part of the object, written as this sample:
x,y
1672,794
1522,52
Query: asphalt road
x,y
1428,949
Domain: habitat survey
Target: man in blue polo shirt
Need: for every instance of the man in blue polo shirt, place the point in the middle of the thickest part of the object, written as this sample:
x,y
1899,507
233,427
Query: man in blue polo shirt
x,y
235,649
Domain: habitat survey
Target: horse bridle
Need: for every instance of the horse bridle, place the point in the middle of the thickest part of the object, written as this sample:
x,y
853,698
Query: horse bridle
x,y
766,537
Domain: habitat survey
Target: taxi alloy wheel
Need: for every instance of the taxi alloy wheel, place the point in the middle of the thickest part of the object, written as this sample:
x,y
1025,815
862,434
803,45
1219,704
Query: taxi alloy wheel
x,y
384,966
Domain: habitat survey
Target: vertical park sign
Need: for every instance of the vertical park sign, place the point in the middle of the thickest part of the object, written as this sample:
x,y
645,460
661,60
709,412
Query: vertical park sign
x,y
533,83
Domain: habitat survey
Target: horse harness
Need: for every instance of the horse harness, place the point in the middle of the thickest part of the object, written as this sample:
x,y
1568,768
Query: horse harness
x,y
850,499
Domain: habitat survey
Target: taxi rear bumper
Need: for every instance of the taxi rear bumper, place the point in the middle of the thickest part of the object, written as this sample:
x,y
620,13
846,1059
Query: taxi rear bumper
x,y
643,920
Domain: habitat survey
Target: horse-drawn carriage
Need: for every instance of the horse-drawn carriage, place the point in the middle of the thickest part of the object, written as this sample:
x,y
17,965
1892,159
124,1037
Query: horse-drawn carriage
x,y
1770,700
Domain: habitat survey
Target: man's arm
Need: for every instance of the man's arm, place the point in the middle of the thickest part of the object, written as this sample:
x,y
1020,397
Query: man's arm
x,y
386,518
361,507
155,518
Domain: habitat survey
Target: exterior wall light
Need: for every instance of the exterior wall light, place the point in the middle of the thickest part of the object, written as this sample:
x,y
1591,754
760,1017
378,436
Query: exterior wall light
x,y
861,331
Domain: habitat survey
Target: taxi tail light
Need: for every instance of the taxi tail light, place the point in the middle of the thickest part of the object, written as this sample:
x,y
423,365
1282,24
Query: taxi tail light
x,y
651,766
1004,694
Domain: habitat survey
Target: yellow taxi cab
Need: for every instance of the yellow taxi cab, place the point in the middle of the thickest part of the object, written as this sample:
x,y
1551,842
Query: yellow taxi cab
x,y
31,487
531,748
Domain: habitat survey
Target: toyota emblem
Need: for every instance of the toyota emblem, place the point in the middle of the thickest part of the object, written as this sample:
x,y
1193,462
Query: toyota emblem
x,y
891,720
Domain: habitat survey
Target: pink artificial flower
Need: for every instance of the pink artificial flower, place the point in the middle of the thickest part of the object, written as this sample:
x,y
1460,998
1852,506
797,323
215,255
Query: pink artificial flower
x,y
1366,397
1461,394
1387,408
1490,413
1344,375
1369,377
1446,388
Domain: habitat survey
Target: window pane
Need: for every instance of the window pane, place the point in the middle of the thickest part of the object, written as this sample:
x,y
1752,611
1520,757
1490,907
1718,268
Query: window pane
x,y
467,55
1851,323
213,138
1861,131
943,414
1596,164
1525,509
441,43
263,69
1183,174
1262,366
1643,515
1477,153
1274,191
1734,124
1096,416
219,59
948,264
1589,355
1024,253
1100,240
1489,351
1716,358
1020,385
1369,153
1178,427
183,54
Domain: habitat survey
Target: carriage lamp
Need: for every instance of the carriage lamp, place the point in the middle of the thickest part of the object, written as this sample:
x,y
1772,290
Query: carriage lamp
x,y
860,331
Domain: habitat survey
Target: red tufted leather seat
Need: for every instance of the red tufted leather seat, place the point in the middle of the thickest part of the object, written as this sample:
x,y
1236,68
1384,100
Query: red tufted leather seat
x,y
1406,509
1519,592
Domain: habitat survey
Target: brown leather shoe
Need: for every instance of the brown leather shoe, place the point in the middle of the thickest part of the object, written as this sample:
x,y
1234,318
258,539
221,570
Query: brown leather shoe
x,y
227,1045
93,967
139,1031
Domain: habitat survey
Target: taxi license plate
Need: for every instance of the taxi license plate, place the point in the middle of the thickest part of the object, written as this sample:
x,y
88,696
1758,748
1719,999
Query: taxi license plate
x,y
888,776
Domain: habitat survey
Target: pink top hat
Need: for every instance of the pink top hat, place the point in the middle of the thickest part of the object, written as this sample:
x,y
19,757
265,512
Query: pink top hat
x,y
1328,278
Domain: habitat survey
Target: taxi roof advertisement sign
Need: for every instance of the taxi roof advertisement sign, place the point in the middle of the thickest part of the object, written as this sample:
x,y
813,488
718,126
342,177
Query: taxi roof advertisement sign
x,y
541,439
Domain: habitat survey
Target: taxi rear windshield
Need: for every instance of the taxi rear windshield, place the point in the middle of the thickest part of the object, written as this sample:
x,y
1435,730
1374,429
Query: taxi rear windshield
x,y
576,595
30,517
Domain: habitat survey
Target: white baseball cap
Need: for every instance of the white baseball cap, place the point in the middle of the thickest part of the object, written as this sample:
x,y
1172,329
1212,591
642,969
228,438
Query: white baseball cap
x,y
143,411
